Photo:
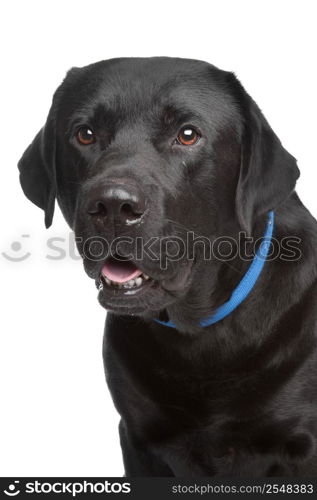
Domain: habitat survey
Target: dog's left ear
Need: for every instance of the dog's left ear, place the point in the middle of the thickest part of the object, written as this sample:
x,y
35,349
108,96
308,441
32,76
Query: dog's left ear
x,y
37,169
268,173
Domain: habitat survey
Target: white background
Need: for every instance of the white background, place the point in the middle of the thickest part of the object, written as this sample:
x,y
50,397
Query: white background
x,y
57,416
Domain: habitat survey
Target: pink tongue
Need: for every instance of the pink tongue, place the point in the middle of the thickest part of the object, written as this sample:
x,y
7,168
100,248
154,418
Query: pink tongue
x,y
120,271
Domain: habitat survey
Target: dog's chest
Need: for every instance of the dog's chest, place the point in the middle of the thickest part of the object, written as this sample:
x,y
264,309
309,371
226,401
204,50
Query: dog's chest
x,y
182,412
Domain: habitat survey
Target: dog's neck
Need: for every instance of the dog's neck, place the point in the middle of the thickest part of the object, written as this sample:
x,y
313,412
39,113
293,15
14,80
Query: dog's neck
x,y
276,280
246,283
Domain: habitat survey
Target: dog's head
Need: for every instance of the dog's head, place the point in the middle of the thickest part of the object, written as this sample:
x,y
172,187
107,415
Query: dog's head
x,y
142,153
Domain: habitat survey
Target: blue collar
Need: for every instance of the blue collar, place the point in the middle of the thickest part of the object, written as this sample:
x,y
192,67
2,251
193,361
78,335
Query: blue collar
x,y
246,284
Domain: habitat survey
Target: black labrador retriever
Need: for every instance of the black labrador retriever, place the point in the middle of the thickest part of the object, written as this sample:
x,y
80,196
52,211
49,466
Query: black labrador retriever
x,y
182,201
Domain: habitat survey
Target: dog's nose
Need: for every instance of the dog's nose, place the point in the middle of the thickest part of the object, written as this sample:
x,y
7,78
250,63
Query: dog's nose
x,y
120,202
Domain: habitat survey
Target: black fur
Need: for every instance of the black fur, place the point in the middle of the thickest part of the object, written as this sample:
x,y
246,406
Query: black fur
x,y
238,398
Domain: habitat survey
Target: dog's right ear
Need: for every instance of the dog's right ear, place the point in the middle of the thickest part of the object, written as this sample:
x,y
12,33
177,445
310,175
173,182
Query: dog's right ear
x,y
38,163
37,169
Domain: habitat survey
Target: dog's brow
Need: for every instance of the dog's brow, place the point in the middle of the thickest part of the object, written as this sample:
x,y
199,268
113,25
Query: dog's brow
x,y
100,116
172,116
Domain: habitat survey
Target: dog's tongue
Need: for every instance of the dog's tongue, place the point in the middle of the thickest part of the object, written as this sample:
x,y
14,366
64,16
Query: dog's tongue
x,y
120,271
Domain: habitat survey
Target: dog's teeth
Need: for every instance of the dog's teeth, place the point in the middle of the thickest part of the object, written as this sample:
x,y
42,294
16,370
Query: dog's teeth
x,y
100,287
128,284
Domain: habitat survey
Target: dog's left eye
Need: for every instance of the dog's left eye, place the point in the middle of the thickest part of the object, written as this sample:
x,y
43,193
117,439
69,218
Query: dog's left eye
x,y
85,136
188,136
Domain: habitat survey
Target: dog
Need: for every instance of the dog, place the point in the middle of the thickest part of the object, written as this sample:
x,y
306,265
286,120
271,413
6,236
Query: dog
x,y
161,166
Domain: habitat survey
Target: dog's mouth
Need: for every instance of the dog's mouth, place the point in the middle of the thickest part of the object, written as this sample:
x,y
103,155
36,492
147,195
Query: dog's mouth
x,y
123,274
125,288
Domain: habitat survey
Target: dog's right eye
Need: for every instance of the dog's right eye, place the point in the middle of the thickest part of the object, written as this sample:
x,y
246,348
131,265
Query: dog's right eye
x,y
85,136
